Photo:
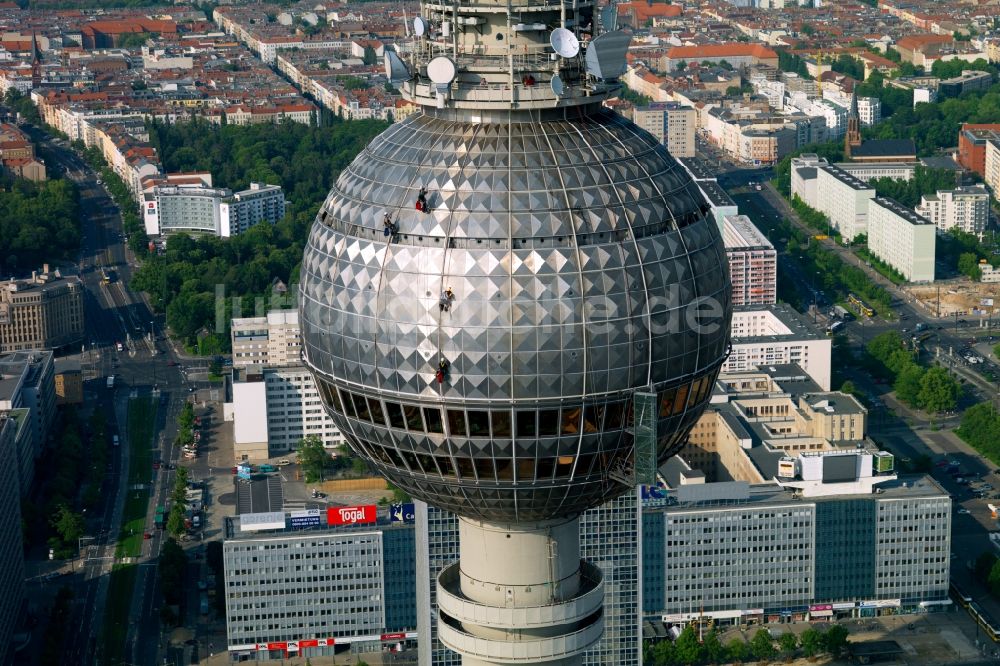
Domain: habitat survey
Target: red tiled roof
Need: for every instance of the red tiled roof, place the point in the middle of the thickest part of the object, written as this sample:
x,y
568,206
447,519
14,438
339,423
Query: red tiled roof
x,y
917,41
645,10
720,51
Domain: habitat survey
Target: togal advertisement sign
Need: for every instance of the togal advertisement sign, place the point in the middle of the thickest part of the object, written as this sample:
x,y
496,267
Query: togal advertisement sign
x,y
350,515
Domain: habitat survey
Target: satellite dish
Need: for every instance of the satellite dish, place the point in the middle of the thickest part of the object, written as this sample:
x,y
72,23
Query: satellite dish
x,y
564,42
606,55
441,70
419,26
395,68
557,85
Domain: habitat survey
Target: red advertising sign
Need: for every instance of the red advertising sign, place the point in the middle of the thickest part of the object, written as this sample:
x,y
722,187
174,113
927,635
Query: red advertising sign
x,y
277,646
394,637
308,643
350,515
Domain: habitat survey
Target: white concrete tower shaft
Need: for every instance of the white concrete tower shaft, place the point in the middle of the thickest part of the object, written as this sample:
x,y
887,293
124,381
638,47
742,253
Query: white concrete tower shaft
x,y
520,594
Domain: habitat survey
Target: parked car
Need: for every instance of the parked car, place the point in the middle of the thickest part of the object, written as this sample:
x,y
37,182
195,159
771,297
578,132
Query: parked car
x,y
283,462
267,469
964,512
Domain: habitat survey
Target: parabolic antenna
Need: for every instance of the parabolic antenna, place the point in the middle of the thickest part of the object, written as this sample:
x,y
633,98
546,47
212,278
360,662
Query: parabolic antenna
x,y
606,54
557,85
419,26
564,42
441,70
395,68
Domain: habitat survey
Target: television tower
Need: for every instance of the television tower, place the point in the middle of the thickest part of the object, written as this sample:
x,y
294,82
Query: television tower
x,y
515,303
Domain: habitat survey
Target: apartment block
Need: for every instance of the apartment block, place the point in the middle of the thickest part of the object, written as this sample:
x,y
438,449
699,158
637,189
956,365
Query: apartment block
x,y
765,335
844,199
972,143
902,238
216,211
273,408
304,584
271,340
965,208
834,191
44,312
671,123
752,262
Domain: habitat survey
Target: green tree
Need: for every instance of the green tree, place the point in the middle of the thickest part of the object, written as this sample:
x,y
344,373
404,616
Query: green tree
x,y
993,580
980,424
968,264
662,654
849,388
984,566
812,642
713,650
687,649
737,651
835,639
681,65
762,645
69,525
788,643
908,384
313,458
938,391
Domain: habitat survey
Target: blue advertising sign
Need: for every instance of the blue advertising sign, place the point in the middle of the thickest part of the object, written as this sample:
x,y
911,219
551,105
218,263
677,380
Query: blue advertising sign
x,y
402,513
307,518
243,472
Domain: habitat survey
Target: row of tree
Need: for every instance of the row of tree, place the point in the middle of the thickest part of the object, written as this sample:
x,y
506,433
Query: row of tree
x,y
687,649
173,562
930,389
178,503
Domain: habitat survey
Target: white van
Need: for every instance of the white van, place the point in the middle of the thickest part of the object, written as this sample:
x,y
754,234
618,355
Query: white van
x,y
114,440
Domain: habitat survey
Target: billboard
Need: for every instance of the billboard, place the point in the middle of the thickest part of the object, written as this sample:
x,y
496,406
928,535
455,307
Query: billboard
x,y
254,522
243,472
307,518
350,515
402,513
837,469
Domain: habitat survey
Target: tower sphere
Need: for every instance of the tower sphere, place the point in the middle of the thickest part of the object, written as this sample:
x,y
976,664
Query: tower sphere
x,y
583,265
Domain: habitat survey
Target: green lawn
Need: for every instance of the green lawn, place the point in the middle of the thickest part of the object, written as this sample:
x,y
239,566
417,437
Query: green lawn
x,y
116,614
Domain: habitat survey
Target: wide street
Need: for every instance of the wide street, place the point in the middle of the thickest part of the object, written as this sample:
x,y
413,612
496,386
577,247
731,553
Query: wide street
x,y
145,367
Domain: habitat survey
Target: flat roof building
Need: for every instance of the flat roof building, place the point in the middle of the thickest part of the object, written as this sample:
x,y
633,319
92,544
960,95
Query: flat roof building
x,y
274,339
805,516
902,239
274,408
753,262
767,335
27,382
965,208
672,124
43,312
844,199
216,211
305,591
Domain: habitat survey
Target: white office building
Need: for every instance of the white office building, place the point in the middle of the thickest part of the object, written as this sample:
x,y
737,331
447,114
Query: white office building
x,y
753,262
965,208
273,408
902,238
272,340
210,210
767,335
